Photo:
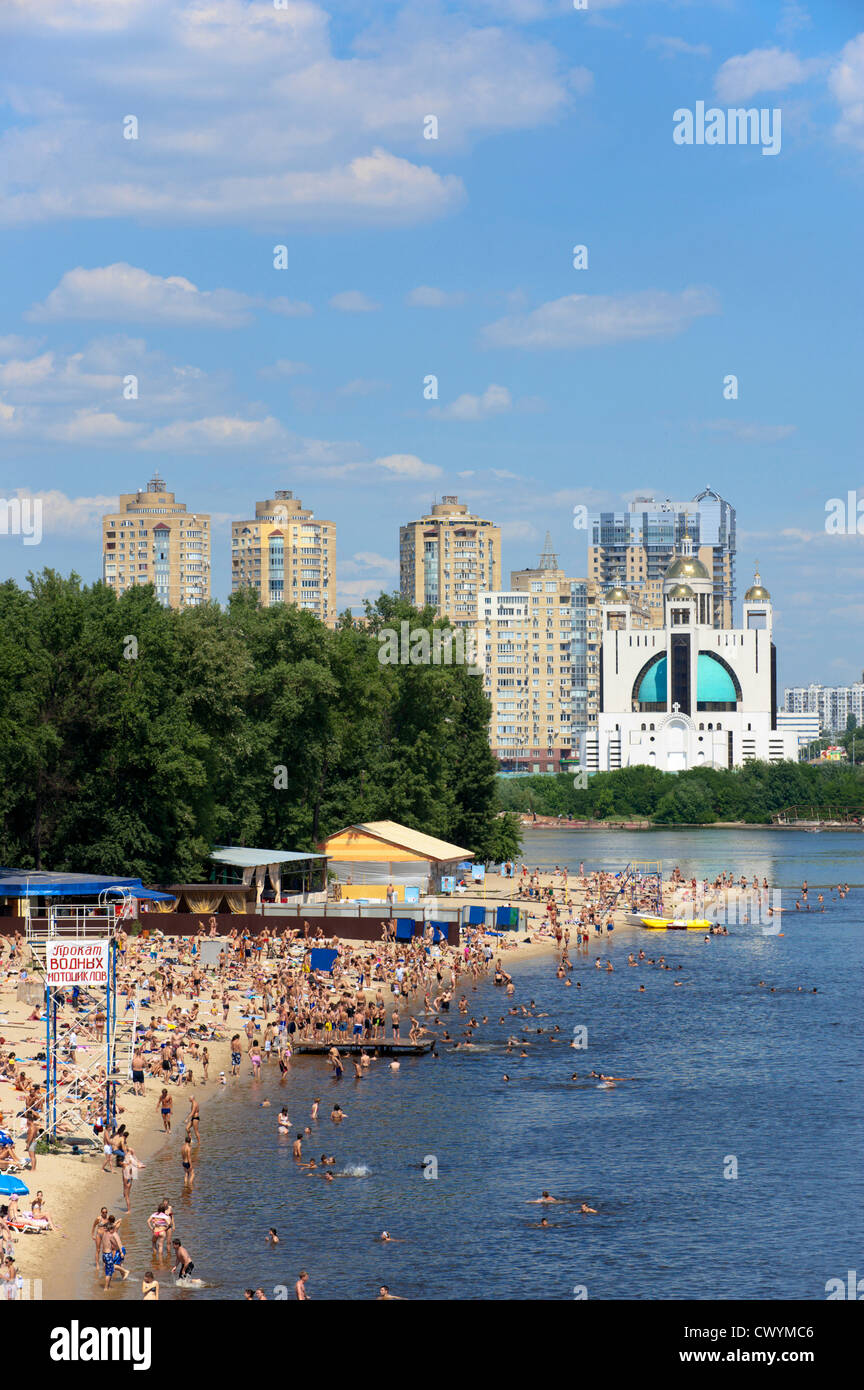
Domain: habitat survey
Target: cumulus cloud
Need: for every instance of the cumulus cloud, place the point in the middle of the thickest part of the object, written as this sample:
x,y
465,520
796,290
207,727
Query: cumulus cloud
x,y
64,515
585,320
751,432
392,467
495,400
289,308
125,292
672,47
353,302
283,367
762,70
427,297
846,83
248,113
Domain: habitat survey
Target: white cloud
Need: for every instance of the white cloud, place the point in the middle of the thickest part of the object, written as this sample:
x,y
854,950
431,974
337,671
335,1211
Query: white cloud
x,y
427,297
495,400
13,342
90,426
353,302
519,531
125,292
750,432
672,47
248,113
392,467
214,432
846,83
366,561
762,70
82,15
289,308
64,515
583,320
283,367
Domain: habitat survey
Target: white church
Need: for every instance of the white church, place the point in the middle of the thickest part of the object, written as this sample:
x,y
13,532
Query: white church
x,y
687,694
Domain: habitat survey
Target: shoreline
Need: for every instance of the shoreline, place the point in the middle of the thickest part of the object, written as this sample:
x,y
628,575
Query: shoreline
x,y
59,1265
73,1186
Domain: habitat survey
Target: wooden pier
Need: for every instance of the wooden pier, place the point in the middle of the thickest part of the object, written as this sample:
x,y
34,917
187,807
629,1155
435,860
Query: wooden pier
x,y
383,1046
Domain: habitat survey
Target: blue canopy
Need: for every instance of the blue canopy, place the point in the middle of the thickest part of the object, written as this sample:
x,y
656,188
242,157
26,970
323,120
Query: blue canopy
x,y
39,883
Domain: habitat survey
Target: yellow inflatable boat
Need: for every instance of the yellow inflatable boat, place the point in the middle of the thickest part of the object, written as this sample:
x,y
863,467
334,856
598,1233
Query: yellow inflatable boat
x,y
675,924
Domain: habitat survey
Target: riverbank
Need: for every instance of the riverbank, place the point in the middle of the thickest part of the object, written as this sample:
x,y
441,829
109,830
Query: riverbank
x,y
54,1264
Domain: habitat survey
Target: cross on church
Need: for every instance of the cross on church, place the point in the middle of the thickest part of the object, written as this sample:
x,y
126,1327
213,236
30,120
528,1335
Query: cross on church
x,y
676,707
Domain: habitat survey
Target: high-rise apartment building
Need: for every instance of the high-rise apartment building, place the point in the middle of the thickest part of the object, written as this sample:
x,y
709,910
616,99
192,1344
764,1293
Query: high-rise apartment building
x,y
287,555
538,646
152,539
634,548
833,704
447,558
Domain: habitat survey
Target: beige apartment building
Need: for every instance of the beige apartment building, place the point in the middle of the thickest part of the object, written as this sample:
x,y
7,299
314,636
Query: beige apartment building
x,y
152,539
288,555
447,558
538,644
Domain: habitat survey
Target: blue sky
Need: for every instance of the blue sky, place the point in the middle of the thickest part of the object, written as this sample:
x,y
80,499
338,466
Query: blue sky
x,y
303,126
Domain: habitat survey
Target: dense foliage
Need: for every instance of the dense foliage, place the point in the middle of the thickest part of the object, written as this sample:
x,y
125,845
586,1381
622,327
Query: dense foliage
x,y
700,796
245,725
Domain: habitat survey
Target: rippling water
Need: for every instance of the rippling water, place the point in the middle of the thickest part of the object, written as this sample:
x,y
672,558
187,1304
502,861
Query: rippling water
x,y
722,1068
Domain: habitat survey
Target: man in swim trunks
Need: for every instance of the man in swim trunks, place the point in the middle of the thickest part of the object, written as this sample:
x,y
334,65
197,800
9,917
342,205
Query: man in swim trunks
x,y
184,1266
112,1253
186,1159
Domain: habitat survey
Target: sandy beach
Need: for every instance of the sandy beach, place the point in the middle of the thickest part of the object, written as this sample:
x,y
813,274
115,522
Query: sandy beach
x,y
75,1188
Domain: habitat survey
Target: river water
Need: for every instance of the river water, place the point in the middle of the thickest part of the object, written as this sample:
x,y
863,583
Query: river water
x,y
728,1078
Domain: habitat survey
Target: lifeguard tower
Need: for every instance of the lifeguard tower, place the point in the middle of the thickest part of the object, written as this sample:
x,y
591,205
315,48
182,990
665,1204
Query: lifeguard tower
x,y
88,1045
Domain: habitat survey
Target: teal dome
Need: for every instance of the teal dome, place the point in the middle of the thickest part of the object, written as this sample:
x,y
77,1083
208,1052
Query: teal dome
x,y
652,690
714,683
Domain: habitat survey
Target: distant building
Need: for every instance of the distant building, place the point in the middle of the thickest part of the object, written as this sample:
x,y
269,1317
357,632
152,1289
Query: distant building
x,y
805,727
831,704
446,559
634,548
287,555
152,539
688,694
538,646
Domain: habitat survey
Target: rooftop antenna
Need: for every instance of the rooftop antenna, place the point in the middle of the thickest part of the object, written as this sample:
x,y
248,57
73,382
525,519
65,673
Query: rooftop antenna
x,y
549,558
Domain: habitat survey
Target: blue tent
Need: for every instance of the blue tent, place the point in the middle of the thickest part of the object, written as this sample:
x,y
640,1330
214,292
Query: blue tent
x,y
476,916
404,928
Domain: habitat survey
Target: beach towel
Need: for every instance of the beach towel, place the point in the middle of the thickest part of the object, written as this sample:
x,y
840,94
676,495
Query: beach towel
x,y
321,958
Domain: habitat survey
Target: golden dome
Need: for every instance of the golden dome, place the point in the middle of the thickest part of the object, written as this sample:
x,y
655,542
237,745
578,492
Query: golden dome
x,y
757,593
616,595
687,567
681,591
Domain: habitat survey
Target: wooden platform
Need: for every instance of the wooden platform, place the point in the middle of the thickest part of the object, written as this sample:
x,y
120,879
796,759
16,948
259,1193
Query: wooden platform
x,y
352,1049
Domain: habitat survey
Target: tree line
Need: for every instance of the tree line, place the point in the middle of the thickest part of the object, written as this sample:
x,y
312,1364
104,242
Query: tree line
x,y
134,737
699,796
